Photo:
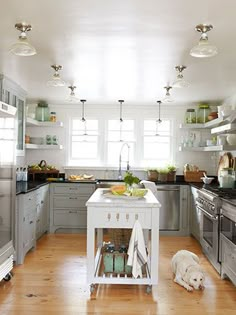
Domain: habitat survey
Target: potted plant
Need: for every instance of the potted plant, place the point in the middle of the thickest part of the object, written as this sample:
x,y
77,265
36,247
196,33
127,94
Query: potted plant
x,y
162,174
171,176
152,175
130,180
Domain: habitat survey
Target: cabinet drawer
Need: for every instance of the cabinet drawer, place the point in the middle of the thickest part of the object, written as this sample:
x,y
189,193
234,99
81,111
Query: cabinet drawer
x,y
81,189
70,218
121,218
71,201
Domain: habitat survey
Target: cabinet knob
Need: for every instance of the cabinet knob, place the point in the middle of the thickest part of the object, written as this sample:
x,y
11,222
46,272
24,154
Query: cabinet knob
x,y
117,217
109,216
31,222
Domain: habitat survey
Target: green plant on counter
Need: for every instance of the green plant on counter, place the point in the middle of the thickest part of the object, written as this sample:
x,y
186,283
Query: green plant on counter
x,y
163,170
171,168
130,179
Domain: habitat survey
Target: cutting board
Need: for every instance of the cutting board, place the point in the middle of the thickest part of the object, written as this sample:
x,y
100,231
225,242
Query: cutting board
x,y
225,162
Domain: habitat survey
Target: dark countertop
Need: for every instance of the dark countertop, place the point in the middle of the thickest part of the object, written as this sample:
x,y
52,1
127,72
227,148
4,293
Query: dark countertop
x,y
25,187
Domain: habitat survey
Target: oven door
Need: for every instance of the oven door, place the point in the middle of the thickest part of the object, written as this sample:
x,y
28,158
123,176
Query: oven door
x,y
209,236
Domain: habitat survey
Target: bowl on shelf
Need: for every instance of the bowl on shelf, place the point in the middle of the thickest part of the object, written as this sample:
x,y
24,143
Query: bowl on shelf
x,y
207,180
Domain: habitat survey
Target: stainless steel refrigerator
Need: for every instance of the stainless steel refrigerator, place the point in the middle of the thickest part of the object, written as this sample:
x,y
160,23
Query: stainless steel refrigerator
x,y
7,187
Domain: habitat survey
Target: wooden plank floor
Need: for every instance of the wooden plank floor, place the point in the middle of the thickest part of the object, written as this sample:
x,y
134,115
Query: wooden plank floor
x,y
53,281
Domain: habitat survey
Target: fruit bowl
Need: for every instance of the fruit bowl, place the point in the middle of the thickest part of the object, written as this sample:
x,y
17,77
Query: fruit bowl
x,y
139,192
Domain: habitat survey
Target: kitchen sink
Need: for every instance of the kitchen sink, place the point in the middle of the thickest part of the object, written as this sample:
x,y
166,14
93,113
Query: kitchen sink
x,y
107,183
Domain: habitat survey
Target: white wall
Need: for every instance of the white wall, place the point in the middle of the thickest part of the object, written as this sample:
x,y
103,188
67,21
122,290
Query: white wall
x,y
204,160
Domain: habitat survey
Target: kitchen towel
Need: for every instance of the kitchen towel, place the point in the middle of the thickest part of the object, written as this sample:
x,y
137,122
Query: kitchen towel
x,y
150,185
137,250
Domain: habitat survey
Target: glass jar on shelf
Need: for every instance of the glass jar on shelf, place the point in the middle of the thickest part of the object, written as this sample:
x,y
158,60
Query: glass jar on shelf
x,y
190,116
202,113
53,117
42,111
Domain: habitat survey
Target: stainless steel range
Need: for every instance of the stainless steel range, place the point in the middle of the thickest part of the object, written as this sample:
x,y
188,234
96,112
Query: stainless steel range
x,y
209,203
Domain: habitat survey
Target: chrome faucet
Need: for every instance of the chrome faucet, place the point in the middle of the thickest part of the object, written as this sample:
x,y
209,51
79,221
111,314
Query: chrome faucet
x,y
120,159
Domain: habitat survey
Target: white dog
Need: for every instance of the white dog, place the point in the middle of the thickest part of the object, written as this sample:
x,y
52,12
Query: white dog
x,y
185,266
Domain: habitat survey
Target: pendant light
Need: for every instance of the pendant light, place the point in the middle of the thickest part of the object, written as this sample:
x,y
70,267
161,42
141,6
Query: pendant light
x,y
204,49
180,82
168,98
121,119
83,119
56,79
72,97
158,121
22,47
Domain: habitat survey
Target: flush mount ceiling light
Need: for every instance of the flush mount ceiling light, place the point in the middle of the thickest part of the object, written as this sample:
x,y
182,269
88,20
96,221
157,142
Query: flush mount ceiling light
x,y
22,47
168,98
56,79
72,98
203,49
180,82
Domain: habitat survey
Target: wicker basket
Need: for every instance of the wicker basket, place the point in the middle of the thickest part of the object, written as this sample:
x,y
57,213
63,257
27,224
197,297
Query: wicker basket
x,y
119,237
194,177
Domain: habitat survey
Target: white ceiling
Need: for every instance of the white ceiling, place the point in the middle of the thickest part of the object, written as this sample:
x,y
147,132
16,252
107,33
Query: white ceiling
x,y
113,49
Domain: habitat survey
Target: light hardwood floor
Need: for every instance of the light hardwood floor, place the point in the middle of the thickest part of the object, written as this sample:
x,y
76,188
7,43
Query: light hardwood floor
x,y
53,281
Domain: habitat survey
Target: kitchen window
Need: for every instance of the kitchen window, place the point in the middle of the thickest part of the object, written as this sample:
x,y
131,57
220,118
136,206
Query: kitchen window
x,y
157,142
118,133
84,142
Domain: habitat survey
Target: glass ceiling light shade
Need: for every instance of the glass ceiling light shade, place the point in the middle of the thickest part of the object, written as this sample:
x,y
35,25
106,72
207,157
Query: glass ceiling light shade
x,y
204,49
168,98
72,97
22,47
180,82
56,79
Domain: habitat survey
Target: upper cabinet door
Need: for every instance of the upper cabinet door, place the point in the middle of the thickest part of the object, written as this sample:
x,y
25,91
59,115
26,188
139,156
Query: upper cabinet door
x,y
13,94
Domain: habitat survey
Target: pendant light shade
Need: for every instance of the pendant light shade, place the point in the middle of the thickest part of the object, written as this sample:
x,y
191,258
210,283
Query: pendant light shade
x,y
168,98
56,79
72,97
204,49
180,82
22,47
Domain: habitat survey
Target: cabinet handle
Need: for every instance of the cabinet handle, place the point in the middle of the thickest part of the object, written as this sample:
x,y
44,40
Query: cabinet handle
x,y
109,216
136,216
74,198
72,211
42,202
117,217
127,217
72,188
31,222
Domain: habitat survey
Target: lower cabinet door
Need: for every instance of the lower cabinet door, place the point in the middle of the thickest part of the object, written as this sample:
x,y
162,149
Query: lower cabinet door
x,y
70,218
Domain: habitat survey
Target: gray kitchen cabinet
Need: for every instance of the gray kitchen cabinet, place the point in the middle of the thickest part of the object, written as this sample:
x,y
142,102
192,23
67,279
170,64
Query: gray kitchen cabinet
x,y
68,205
42,206
12,94
194,225
228,259
25,225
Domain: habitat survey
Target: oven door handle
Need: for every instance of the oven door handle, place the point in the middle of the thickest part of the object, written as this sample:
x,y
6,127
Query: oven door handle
x,y
208,214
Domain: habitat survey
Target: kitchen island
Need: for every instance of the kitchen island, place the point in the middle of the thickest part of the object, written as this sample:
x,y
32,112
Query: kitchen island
x,y
106,211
